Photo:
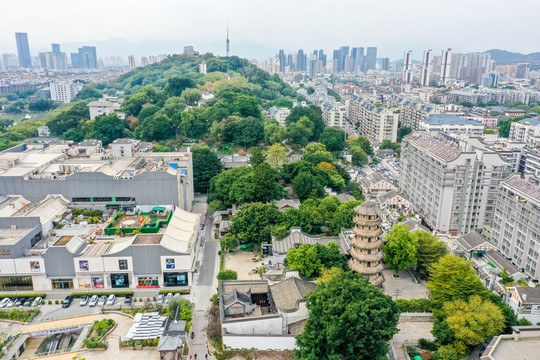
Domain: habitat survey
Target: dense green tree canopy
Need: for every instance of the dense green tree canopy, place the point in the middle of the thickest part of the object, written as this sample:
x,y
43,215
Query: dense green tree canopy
x,y
253,222
400,248
429,251
333,138
314,114
452,278
107,128
349,319
206,165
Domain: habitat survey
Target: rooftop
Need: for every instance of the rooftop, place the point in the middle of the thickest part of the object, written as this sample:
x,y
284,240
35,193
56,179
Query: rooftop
x,y
298,237
501,263
435,147
449,119
523,186
12,236
471,240
530,121
52,163
528,295
288,293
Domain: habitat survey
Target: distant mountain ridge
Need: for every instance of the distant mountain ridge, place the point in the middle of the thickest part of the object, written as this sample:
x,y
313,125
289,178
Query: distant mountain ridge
x,y
503,57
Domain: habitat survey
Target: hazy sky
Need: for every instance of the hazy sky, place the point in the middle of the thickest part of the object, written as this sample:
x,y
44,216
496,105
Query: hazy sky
x,y
392,25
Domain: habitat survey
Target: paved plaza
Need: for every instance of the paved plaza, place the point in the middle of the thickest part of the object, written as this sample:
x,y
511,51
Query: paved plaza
x,y
404,286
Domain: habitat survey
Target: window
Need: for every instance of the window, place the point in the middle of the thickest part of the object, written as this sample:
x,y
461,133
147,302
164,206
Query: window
x,y
122,264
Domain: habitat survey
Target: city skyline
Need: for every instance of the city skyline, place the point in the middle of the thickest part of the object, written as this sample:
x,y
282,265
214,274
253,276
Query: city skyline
x,y
295,31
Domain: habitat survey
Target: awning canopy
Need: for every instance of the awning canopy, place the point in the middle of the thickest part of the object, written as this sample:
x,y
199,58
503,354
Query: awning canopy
x,y
158,208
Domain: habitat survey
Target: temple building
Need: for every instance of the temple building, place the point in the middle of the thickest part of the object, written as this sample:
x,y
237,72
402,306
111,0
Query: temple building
x,y
366,244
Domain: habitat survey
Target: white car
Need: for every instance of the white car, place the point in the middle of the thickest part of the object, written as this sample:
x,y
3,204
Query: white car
x,y
168,298
11,302
176,296
111,300
102,300
93,301
84,300
4,302
160,299
37,301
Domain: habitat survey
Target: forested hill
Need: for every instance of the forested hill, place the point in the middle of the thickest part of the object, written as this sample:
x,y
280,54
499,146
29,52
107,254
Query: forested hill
x,y
262,85
171,102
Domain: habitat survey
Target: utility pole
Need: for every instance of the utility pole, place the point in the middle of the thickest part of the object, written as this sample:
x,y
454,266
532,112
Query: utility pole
x,y
397,292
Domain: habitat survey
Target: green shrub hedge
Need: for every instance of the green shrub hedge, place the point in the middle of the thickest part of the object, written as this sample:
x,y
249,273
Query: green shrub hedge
x,y
183,291
22,295
414,305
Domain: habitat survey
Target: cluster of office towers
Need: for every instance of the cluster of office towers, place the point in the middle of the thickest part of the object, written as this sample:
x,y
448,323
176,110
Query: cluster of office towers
x,y
344,59
85,57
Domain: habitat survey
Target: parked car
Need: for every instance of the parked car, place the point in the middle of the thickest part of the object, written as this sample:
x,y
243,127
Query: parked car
x,y
111,300
84,300
176,296
128,300
10,303
4,302
93,301
168,298
28,301
160,299
102,300
37,301
67,301
20,302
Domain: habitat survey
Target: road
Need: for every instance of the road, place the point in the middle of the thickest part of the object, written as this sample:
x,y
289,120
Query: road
x,y
205,286
390,168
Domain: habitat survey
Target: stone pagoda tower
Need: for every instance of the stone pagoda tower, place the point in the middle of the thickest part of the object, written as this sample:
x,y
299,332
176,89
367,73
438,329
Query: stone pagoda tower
x,y
366,243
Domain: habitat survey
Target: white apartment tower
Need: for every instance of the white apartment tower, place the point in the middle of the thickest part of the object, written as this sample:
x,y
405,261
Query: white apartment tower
x,y
131,61
377,123
407,75
446,63
453,190
63,91
425,72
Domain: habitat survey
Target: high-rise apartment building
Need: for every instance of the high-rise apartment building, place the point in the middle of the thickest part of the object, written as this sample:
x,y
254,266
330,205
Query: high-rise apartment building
x,y
407,74
55,48
425,71
23,50
516,225
334,114
446,63
131,61
385,64
453,190
371,58
64,91
144,61
301,60
522,71
85,58
377,123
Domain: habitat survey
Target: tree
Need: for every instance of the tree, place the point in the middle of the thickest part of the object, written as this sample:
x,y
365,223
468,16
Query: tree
x,y
313,114
107,128
429,251
176,85
330,256
452,278
348,319
155,128
400,248
191,96
343,217
305,260
227,275
359,157
89,92
300,132
68,118
41,105
256,156
402,132
191,125
473,321
362,142
333,138
304,184
264,183
229,242
273,133
319,157
276,155
504,126
253,222
206,165
247,106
